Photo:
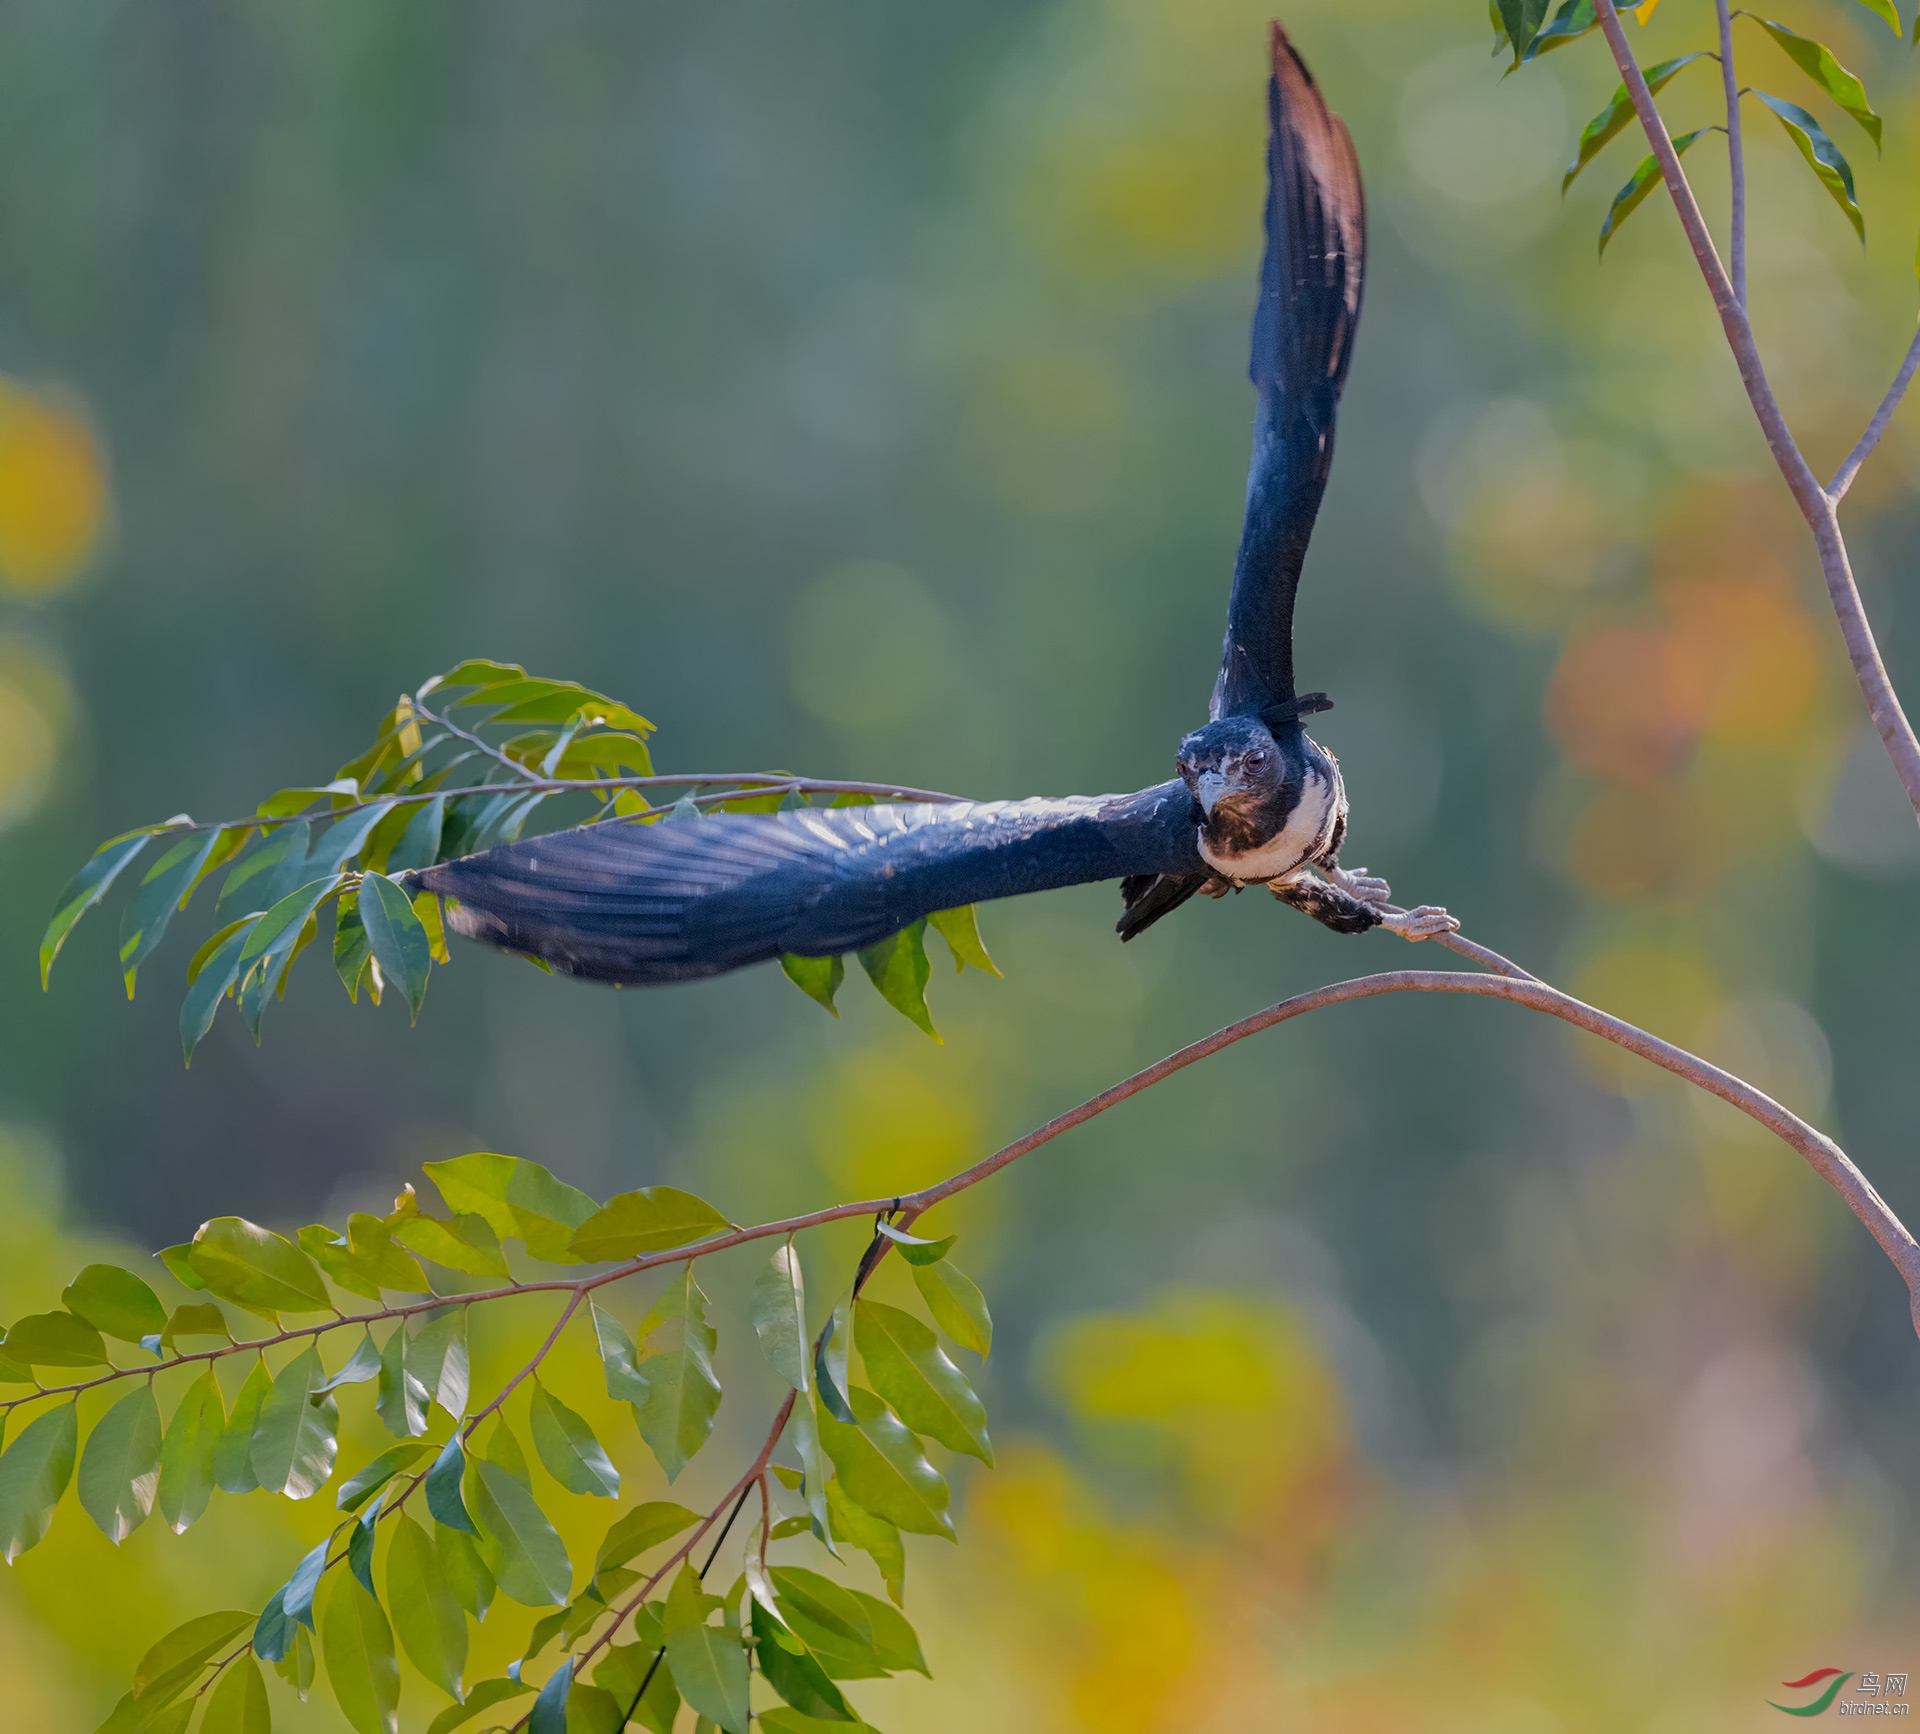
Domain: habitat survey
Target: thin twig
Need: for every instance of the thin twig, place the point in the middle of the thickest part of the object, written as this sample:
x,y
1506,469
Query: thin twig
x,y
1843,477
1736,157
1863,652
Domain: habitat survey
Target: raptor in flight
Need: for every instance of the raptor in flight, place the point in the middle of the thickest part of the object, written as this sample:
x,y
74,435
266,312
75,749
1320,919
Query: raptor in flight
x,y
1257,800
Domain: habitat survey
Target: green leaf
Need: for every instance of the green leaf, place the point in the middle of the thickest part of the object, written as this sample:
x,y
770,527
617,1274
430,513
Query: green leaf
x,y
400,944
794,1673
276,1633
958,1307
433,1630
180,1267
831,1620
627,1668
830,1366
1575,19
358,1487
1617,116
238,1704
199,1319
360,1548
467,1243
504,1449
86,888
55,1339
549,1712
519,1545
644,1527
1885,9
859,1527
346,837
1827,163
710,1669
652,1219
438,1358
444,1483
255,1268
882,1466
1522,19
913,1248
209,985
163,889
517,1199
186,1454
894,1640
419,844
362,1668
267,872
296,1438
365,1260
898,967
360,1366
465,1572
804,1427
297,1666
780,1315
1643,180
233,1451
276,936
819,978
1818,63
174,1663
120,1468
917,1381
573,1456
683,1394
115,1302
960,928
400,1399
625,1382
34,1472
485,1695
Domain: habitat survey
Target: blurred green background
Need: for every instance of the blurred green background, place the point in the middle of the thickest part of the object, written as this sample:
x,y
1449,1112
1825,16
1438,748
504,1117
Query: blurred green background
x,y
860,389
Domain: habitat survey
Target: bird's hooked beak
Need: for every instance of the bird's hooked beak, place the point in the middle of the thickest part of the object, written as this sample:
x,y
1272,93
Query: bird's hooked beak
x,y
1208,787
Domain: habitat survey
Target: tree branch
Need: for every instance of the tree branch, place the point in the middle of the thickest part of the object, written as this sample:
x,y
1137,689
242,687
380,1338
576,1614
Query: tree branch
x,y
1843,477
1736,157
1816,506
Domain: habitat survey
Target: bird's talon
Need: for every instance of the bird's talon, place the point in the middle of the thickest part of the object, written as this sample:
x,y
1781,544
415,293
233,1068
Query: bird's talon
x,y
1362,885
1426,922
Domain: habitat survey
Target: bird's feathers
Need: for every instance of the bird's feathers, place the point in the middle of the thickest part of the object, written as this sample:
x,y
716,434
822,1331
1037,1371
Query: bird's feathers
x,y
678,900
1303,328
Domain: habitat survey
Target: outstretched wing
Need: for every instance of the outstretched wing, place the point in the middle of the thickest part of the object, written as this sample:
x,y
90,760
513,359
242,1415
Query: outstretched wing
x,y
677,900
1310,284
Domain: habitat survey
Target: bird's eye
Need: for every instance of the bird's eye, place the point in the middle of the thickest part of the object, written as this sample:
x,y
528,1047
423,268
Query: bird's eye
x,y
1256,759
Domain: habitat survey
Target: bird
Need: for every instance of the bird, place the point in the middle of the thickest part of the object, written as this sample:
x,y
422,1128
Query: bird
x,y
1255,801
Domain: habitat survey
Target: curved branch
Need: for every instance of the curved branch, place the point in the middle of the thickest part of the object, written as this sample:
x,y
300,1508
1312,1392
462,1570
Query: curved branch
x,y
1843,477
1828,1160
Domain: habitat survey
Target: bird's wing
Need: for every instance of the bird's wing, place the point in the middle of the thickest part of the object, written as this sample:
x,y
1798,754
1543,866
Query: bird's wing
x,y
1310,285
679,900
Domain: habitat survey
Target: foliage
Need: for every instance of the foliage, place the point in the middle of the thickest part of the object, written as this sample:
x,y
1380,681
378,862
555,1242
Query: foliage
x,y
437,784
448,1524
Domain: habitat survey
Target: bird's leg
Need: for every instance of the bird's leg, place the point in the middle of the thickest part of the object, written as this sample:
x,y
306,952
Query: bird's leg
x,y
1330,905
1362,888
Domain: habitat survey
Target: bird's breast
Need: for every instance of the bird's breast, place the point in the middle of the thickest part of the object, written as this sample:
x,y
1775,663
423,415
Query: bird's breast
x,y
1299,840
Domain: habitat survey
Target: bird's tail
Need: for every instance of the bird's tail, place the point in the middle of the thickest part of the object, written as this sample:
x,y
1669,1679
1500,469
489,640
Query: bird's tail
x,y
1148,896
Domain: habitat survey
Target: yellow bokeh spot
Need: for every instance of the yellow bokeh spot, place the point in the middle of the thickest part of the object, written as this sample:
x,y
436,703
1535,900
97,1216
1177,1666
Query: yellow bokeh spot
x,y
36,705
1666,988
886,1121
53,491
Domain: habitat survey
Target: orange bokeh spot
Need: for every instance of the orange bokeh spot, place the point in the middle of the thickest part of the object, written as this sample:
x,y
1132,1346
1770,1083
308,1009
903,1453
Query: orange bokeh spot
x,y
1619,704
53,491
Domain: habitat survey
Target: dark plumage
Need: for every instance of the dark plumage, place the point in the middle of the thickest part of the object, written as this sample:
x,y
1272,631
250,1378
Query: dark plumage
x,y
1258,801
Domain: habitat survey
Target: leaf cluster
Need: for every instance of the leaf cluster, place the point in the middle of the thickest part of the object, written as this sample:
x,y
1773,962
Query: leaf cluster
x,y
450,1523
475,758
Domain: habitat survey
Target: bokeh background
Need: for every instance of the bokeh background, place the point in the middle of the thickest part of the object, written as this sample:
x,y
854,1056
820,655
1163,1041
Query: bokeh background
x,y
860,388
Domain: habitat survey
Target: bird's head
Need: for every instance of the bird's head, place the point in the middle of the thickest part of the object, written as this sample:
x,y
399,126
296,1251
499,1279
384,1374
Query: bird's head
x,y
1238,769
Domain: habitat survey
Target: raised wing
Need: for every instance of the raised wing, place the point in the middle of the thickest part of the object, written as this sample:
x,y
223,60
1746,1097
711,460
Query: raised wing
x,y
673,901
1310,284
